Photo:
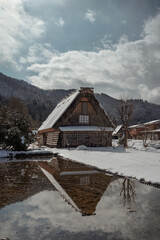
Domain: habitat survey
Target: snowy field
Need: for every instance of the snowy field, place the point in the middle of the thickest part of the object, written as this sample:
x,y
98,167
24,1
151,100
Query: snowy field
x,y
135,161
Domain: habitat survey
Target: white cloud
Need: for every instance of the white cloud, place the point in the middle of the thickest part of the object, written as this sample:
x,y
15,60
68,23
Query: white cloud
x,y
152,94
130,67
37,53
106,42
39,211
90,15
60,22
17,28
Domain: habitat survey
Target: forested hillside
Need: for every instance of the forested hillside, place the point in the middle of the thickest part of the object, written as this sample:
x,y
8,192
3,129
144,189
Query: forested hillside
x,y
41,102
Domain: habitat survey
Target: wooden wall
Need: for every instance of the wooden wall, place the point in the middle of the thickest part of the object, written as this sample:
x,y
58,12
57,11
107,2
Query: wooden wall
x,y
90,139
52,139
97,116
73,119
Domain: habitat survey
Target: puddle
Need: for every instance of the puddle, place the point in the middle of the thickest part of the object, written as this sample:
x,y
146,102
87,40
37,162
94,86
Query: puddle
x,y
61,199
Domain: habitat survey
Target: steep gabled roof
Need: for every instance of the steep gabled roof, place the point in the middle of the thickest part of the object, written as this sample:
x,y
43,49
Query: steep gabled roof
x,y
58,111
61,107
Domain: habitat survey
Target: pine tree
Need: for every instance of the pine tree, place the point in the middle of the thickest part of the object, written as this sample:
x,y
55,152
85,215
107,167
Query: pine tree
x,y
15,125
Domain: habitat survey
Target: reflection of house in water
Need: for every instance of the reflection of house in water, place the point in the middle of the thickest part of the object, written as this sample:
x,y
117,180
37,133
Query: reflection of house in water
x,y
80,185
20,180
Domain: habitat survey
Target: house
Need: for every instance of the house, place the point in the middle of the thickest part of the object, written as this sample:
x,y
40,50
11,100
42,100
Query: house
x,y
136,131
152,129
149,130
78,119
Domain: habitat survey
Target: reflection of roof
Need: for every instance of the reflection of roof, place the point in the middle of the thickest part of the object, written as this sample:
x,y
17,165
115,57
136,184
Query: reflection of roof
x,y
117,130
85,128
58,111
81,188
59,188
152,122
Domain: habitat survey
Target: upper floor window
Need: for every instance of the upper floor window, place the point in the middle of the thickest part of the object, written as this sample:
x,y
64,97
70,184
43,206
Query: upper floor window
x,y
84,119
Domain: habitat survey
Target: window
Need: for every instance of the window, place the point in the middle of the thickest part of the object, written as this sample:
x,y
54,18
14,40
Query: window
x,y
84,119
85,180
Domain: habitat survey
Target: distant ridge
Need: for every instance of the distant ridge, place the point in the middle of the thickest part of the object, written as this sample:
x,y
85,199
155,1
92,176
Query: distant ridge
x,y
41,102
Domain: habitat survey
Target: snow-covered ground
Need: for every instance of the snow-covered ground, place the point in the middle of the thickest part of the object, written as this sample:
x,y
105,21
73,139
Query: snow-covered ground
x,y
135,161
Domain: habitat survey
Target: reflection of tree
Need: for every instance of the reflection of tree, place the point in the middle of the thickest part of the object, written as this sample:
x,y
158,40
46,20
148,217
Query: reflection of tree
x,y
128,194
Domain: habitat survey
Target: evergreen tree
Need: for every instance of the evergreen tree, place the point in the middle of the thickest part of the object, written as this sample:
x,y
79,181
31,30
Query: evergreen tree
x,y
15,125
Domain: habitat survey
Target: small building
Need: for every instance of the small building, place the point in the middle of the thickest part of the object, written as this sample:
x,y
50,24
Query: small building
x,y
152,129
149,130
78,119
136,131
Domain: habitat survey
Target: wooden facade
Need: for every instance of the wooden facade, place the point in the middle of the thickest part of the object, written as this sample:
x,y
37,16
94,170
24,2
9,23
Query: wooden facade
x,y
136,131
77,120
87,138
152,130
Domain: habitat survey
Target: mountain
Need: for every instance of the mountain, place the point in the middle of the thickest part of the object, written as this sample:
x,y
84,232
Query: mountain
x,y
41,102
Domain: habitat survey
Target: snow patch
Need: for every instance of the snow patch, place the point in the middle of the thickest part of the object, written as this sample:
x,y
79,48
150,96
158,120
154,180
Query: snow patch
x,y
135,161
82,147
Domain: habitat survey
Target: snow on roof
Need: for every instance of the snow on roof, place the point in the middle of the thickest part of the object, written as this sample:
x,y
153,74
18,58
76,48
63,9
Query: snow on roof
x,y
117,130
147,123
152,122
156,130
85,128
136,126
58,111
152,131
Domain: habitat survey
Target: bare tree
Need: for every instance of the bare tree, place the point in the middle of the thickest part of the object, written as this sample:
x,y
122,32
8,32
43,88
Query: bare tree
x,y
125,110
145,137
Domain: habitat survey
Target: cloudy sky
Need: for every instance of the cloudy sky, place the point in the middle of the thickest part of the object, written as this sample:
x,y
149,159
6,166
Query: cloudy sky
x,y
111,45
